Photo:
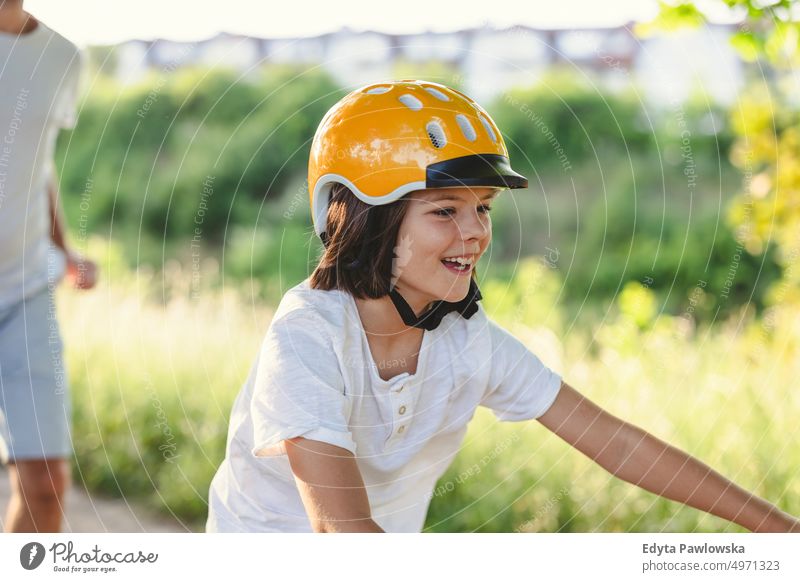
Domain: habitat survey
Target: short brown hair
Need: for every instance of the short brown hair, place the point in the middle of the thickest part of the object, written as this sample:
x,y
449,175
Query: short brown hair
x,y
358,253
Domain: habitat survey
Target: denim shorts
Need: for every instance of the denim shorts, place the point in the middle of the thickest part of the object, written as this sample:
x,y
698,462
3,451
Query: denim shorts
x,y
35,408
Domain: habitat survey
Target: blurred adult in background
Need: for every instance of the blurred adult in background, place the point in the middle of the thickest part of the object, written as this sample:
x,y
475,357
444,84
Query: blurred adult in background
x,y
39,74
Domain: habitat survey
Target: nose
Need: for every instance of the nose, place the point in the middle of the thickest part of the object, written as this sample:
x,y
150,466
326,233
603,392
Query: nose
x,y
474,225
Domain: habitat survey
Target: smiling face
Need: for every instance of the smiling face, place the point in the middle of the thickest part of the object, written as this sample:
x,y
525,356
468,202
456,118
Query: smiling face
x,y
439,224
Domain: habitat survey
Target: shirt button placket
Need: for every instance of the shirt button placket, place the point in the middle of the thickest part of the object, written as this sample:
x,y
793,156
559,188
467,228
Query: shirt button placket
x,y
401,411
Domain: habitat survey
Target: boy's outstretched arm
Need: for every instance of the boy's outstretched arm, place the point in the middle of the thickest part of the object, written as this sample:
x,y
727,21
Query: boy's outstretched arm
x,y
638,457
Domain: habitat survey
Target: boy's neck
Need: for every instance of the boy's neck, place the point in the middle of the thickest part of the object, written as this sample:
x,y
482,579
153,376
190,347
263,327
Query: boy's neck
x,y
380,317
14,20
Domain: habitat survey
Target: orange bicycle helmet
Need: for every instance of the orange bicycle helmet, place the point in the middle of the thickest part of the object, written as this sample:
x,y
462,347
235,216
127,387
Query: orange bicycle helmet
x,y
388,139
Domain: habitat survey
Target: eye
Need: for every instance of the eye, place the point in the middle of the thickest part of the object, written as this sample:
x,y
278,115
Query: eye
x,y
449,211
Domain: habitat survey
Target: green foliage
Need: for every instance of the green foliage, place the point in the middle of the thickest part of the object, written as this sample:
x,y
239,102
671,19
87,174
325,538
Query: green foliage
x,y
281,256
673,239
525,293
638,303
153,378
148,151
625,194
563,121
767,149
672,17
769,29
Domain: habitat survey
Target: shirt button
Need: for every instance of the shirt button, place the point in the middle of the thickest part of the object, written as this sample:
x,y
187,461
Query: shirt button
x,y
402,410
401,429
400,389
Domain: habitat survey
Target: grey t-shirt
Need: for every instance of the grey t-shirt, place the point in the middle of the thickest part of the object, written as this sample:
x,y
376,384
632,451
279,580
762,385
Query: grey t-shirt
x,y
39,76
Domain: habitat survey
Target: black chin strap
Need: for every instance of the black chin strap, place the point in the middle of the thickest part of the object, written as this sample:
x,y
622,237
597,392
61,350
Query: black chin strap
x,y
431,318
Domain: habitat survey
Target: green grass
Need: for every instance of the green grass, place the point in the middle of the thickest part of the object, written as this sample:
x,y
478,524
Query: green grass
x,y
154,370
152,384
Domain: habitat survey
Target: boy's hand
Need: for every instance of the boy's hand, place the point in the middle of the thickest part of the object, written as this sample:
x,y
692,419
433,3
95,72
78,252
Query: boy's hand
x,y
81,272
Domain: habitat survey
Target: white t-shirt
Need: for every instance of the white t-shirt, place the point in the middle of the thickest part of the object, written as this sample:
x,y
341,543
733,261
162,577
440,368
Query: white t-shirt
x,y
39,77
315,377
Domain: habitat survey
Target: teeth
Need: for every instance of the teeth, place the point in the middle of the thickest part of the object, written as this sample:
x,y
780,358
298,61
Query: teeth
x,y
464,264
460,260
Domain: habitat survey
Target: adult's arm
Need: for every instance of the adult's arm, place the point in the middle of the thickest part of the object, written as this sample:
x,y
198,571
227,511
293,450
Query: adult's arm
x,y
81,272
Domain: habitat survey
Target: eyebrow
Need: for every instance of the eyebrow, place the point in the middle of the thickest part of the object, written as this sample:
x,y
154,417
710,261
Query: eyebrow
x,y
446,196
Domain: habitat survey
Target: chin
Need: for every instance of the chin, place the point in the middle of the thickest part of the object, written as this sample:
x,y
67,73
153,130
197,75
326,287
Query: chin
x,y
456,292
447,289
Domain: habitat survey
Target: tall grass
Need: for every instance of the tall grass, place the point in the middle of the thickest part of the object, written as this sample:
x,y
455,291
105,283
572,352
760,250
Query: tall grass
x,y
154,367
155,362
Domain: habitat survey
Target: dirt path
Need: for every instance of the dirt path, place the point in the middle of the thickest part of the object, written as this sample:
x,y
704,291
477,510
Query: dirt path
x,y
87,514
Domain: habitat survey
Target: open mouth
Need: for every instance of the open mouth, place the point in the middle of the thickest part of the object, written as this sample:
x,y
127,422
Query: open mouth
x,y
459,267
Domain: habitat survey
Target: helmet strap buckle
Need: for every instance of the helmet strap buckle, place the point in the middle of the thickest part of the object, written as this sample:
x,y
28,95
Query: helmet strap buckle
x,y
431,318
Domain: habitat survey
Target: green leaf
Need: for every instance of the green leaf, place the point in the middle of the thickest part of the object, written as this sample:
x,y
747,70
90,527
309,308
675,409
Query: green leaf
x,y
747,45
672,17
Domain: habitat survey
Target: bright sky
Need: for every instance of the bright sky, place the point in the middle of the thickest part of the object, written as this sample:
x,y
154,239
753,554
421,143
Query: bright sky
x,y
112,21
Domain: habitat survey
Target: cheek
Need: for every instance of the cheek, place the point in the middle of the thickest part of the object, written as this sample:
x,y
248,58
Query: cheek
x,y
427,239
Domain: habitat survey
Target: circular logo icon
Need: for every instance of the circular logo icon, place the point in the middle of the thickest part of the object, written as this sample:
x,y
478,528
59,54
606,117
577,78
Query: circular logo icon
x,y
31,555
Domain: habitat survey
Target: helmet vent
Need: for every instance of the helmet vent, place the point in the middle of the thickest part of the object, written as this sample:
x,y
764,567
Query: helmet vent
x,y
466,127
378,90
487,126
438,94
436,135
411,102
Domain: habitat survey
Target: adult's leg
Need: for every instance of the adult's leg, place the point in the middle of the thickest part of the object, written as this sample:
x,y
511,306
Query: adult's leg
x,y
38,488
34,414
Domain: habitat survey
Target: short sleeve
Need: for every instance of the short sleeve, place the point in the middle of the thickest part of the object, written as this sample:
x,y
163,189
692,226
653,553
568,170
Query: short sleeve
x,y
520,387
299,389
65,112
